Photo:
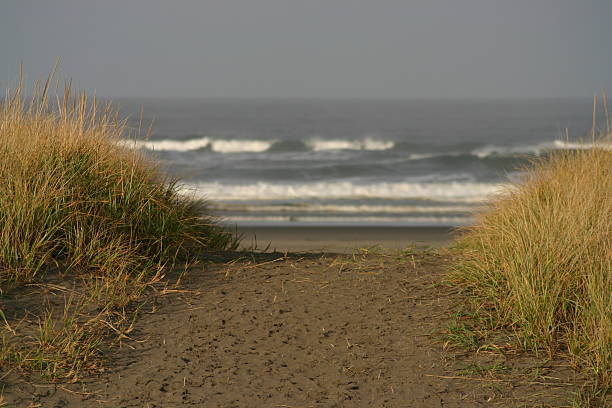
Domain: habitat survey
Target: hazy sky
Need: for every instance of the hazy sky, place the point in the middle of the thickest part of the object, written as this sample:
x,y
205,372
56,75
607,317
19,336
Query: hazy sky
x,y
313,48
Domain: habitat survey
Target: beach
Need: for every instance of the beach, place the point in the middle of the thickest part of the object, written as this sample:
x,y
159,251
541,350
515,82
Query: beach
x,y
289,204
248,329
339,292
293,204
343,239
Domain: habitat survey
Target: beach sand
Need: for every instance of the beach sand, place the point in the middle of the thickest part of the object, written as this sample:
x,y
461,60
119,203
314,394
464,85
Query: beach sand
x,y
343,239
248,329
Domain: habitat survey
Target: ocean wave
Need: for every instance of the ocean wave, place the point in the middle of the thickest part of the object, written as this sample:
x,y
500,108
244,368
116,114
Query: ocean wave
x,y
467,192
536,149
344,208
367,144
370,144
498,151
216,145
492,150
257,146
564,144
426,221
425,156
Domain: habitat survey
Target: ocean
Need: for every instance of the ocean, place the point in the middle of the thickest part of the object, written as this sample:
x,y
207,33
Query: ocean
x,y
351,162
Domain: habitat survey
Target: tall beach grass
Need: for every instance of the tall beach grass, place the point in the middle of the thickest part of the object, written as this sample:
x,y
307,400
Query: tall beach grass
x,y
540,256
72,200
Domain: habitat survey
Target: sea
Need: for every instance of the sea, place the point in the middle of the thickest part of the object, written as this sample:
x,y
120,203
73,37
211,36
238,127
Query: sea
x,y
298,162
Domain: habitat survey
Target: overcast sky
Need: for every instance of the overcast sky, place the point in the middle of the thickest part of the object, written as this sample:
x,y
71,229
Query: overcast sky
x,y
313,48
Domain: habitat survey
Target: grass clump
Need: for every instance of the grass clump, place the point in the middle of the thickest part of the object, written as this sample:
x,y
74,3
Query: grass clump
x,y
72,200
541,257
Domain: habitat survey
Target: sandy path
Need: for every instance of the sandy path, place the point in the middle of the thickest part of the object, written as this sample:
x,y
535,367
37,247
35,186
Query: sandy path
x,y
312,331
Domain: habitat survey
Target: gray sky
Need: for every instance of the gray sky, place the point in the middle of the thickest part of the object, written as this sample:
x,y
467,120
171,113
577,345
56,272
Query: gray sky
x,y
313,48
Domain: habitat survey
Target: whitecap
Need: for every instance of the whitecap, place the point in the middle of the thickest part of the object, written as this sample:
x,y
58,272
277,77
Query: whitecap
x,y
216,145
412,221
468,192
345,208
370,144
538,148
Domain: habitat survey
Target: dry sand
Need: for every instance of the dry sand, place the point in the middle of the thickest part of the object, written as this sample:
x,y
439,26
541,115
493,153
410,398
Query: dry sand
x,y
304,330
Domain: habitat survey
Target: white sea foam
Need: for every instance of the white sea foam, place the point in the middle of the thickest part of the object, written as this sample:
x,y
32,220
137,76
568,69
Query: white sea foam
x,y
342,208
350,220
537,148
252,146
467,192
318,145
492,150
165,145
368,144
217,145
423,156
564,144
239,146
495,150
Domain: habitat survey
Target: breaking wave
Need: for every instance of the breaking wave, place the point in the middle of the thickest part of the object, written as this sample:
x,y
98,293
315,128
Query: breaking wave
x,y
344,208
216,145
467,192
425,221
318,145
256,146
492,150
367,144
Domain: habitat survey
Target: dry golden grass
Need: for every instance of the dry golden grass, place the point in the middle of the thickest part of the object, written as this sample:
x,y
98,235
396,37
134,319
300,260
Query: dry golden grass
x,y
541,257
72,200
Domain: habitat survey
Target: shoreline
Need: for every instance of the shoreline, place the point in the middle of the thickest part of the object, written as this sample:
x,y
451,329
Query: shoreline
x,y
342,239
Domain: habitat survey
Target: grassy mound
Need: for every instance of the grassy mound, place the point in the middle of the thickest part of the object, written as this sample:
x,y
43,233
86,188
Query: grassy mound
x,y
541,258
72,200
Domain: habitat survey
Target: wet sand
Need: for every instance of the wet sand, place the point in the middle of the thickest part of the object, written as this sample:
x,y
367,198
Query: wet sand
x,y
343,239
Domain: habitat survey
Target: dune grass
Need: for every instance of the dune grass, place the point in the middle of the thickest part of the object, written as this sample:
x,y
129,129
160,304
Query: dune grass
x,y
75,202
539,258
